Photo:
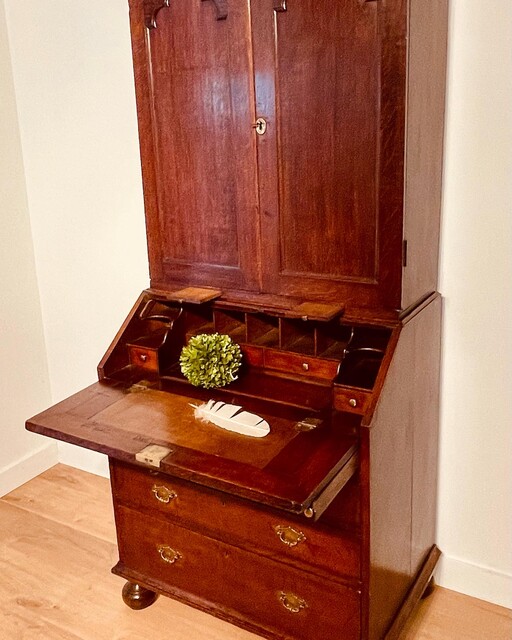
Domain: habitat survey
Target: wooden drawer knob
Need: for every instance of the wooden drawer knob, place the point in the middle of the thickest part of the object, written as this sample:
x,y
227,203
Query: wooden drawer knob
x,y
163,494
288,535
168,554
291,602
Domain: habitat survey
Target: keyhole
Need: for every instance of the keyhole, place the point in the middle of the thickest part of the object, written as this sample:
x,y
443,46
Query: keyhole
x,y
260,126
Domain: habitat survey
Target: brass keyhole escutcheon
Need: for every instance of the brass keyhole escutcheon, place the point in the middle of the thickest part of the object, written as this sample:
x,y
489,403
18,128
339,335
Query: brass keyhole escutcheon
x,y
163,494
261,126
288,535
291,602
168,554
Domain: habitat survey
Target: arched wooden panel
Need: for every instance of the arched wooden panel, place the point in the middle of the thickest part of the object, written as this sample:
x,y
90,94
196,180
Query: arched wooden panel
x,y
195,89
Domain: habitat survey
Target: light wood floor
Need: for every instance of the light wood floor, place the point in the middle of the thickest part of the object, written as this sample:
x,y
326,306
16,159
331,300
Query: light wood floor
x,y
57,545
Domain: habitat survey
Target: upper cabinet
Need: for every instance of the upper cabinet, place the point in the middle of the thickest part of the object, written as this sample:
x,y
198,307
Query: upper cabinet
x,y
275,145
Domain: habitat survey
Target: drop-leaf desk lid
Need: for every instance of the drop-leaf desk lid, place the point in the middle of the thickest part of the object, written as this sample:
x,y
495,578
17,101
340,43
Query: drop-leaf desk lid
x,y
299,466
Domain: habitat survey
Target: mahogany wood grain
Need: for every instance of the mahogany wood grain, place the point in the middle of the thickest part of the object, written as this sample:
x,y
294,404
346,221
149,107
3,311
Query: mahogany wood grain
x,y
403,437
287,469
241,523
195,103
351,400
117,356
262,598
428,24
299,364
392,19
151,10
320,232
325,118
422,587
332,82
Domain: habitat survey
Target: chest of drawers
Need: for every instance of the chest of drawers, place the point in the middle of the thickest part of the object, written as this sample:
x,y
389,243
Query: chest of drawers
x,y
280,576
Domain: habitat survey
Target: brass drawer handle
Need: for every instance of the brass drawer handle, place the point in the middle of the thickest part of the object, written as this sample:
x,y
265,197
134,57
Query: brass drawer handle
x,y
168,554
163,494
291,602
288,535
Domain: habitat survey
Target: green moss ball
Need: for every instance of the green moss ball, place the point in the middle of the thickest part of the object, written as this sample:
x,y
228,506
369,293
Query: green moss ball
x,y
210,360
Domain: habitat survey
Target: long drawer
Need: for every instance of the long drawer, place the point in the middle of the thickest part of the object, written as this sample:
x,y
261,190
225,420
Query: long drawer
x,y
264,531
278,599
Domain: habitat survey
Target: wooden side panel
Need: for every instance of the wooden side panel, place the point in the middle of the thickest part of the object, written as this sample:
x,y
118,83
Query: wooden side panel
x,y
425,391
196,107
402,443
424,145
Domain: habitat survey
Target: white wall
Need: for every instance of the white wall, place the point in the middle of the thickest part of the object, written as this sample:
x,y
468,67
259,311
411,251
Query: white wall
x,y
76,102
475,500
24,384
75,98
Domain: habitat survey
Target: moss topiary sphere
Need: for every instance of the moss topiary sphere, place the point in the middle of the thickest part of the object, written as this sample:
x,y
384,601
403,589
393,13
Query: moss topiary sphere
x,y
210,360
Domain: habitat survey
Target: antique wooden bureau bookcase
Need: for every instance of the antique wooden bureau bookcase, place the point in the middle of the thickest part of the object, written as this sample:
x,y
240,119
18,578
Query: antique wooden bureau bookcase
x,y
291,154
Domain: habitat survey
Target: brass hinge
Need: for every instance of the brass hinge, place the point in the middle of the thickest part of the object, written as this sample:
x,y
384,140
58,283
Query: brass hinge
x,y
404,253
308,424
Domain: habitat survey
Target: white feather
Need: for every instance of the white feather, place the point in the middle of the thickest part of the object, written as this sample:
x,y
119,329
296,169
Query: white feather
x,y
229,416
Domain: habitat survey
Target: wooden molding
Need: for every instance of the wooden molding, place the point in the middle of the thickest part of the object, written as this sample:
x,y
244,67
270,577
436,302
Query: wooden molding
x,y
420,585
153,7
151,10
222,8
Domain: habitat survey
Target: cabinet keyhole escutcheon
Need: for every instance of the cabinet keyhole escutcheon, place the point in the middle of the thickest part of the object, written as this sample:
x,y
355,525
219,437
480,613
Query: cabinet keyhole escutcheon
x,y
292,602
260,125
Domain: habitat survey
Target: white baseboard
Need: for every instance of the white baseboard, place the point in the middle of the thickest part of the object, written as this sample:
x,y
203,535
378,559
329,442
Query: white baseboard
x,y
475,580
27,467
83,459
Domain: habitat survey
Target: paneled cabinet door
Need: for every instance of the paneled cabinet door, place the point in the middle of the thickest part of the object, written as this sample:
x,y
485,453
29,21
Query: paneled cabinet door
x,y
195,98
268,132
326,229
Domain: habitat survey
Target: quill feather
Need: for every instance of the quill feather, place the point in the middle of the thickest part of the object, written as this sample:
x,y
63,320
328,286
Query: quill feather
x,y
230,417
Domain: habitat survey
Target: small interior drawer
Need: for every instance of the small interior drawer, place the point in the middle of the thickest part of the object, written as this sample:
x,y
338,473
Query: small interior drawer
x,y
144,358
351,400
198,568
287,362
293,540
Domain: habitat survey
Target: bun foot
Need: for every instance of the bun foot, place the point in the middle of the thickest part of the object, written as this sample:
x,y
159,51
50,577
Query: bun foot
x,y
429,589
137,597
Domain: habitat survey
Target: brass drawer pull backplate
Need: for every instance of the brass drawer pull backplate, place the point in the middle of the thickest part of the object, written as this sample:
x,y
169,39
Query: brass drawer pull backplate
x,y
291,602
168,554
288,535
163,494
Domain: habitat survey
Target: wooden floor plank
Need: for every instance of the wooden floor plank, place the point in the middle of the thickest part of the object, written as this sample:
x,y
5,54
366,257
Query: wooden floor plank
x,y
449,615
69,496
55,582
57,544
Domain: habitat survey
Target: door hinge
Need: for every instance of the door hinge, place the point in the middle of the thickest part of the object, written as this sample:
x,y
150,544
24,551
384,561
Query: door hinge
x,y
404,253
